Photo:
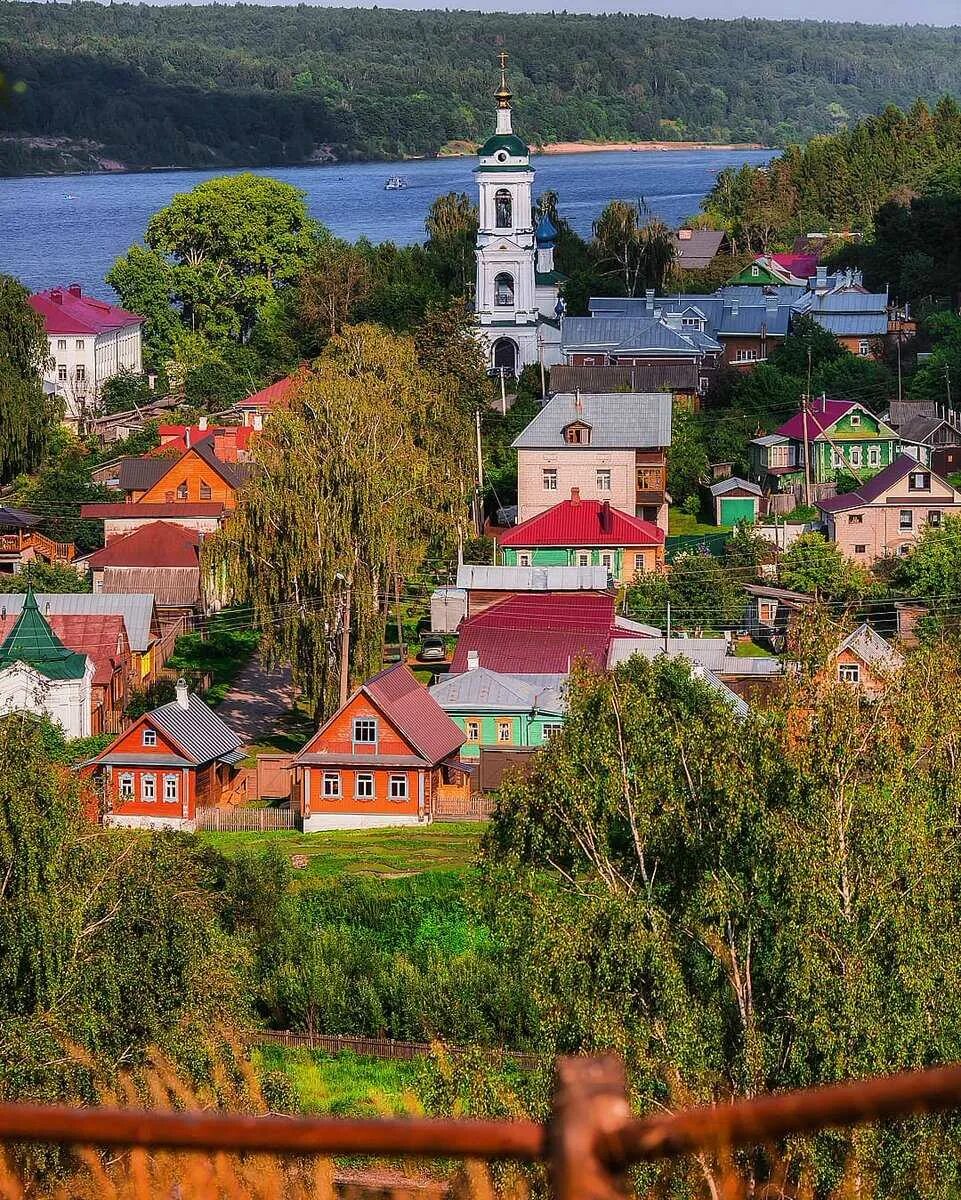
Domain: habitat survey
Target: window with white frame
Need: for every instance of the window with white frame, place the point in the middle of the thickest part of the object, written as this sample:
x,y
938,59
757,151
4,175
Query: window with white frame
x,y
523,558
855,456
549,479
766,611
874,456
583,558
552,729
80,343
171,789
126,785
906,519
837,459
505,730
61,343
777,456
755,270
364,786
703,384
330,785
603,479
149,737
934,517
62,372
148,788
745,356
397,787
855,420
607,559
365,730
81,371
472,729
864,348
849,673
919,481
692,322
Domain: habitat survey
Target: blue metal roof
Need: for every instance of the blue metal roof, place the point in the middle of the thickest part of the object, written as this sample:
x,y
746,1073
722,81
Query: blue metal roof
x,y
853,324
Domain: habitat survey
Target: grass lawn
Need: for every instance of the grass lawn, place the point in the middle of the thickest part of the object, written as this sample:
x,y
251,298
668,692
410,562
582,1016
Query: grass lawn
x,y
378,853
680,524
749,649
346,1085
221,654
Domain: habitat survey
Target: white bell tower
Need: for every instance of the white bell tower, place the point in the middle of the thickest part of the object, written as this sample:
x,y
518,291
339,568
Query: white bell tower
x,y
505,303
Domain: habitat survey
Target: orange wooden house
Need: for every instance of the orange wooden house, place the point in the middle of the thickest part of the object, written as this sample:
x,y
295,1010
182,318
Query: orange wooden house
x,y
384,758
170,761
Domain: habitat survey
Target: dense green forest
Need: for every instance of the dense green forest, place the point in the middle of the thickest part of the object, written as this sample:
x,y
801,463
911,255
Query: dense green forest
x,y
209,86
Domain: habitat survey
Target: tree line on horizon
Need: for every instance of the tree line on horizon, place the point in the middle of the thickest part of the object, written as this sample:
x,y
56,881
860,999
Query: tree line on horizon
x,y
214,86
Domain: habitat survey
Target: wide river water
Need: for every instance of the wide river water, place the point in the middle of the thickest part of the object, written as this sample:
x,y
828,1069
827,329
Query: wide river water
x,y
70,228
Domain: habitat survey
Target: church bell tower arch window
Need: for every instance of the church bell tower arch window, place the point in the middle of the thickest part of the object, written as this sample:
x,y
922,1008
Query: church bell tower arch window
x,y
503,209
504,290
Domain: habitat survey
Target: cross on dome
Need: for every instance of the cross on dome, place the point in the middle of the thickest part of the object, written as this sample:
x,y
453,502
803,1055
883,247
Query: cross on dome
x,y
503,93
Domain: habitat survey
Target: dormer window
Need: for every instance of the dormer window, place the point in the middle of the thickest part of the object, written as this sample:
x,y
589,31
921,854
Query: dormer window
x,y
577,434
919,481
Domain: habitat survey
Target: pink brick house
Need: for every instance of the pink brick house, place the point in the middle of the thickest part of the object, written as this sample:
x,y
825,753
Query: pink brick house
x,y
887,514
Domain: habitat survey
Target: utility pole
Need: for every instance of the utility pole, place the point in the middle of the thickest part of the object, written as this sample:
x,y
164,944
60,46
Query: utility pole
x,y
344,607
503,395
667,635
540,355
898,344
479,500
397,612
947,383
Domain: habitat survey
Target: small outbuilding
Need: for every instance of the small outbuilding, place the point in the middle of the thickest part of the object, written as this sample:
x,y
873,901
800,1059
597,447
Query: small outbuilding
x,y
735,500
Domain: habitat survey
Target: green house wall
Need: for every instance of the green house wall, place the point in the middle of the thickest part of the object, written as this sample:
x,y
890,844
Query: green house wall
x,y
867,433
563,556
527,730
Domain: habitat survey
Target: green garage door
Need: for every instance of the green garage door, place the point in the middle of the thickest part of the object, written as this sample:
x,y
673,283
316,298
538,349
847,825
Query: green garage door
x,y
736,508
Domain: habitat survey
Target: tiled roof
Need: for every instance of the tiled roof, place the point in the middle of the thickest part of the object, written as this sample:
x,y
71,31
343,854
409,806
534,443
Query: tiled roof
x,y
414,713
197,729
67,310
482,688
137,610
821,416
875,487
532,579
577,522
159,544
538,634
629,420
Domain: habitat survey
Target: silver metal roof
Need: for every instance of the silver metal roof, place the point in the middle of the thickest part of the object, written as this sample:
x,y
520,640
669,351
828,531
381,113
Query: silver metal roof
x,y
734,483
532,579
136,609
628,420
482,688
709,653
853,324
198,729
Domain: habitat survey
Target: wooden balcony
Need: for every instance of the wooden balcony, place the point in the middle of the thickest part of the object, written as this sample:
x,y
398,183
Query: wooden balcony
x,y
25,541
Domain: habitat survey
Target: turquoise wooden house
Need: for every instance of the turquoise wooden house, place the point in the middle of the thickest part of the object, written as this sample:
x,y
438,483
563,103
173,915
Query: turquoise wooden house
x,y
502,712
842,435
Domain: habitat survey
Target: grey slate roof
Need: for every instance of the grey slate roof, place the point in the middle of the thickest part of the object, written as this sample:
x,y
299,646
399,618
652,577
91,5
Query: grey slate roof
x,y
871,648
139,474
698,248
853,324
732,483
647,335
618,420
199,730
769,439
482,688
532,579
709,653
136,608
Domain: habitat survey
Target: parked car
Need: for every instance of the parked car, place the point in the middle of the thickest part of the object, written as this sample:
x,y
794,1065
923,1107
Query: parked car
x,y
432,649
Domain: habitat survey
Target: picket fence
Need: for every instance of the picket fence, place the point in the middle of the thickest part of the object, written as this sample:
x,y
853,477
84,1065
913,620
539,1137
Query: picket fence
x,y
246,820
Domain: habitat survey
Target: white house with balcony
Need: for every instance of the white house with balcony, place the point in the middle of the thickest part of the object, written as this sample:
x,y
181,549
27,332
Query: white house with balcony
x,y
88,342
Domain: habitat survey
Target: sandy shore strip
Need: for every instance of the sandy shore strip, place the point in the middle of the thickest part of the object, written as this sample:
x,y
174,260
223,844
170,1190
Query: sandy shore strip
x,y
595,147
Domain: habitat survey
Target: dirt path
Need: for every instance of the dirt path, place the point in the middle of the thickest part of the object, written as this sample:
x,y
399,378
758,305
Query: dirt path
x,y
257,701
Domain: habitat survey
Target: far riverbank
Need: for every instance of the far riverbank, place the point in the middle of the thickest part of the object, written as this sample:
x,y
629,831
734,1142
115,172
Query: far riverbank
x,y
596,147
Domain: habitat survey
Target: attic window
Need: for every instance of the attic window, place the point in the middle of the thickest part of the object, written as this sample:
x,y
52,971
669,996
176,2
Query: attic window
x,y
205,492
182,490
577,434
919,481
149,737
855,419
755,270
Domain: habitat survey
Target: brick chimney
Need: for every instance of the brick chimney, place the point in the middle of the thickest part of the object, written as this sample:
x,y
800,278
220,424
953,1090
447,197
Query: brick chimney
x,y
605,516
575,497
75,290
56,295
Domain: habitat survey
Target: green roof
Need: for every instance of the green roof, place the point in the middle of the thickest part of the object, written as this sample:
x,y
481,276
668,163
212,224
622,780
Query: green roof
x,y
33,642
547,277
504,141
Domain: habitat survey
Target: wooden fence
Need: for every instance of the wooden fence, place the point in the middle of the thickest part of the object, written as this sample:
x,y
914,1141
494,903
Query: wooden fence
x,y
338,1043
247,820
456,806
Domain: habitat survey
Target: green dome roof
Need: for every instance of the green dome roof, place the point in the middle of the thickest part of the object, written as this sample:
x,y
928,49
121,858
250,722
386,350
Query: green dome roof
x,y
504,141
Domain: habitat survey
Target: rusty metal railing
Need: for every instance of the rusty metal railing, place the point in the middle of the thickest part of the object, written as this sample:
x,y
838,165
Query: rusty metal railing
x,y
589,1140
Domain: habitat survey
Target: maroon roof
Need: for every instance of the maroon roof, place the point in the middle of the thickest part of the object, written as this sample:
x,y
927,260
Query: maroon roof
x,y
876,486
273,394
802,266
414,713
159,544
577,522
199,508
68,310
821,416
538,633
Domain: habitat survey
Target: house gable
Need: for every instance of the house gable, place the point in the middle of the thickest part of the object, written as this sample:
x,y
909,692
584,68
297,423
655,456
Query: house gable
x,y
335,737
131,742
193,478
859,424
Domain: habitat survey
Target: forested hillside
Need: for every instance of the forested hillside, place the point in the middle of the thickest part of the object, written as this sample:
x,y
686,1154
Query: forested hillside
x,y
214,86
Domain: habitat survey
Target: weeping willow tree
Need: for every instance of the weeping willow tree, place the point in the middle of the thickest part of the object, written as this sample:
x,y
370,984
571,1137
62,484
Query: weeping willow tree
x,y
354,486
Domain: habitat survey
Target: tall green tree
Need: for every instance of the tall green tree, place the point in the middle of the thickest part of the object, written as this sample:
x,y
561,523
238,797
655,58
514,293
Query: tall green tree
x,y
368,469
27,416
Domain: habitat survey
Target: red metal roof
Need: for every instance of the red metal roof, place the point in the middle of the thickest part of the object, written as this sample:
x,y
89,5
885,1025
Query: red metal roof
x,y
821,416
414,713
273,394
159,544
538,634
95,634
578,522
138,512
225,440
68,310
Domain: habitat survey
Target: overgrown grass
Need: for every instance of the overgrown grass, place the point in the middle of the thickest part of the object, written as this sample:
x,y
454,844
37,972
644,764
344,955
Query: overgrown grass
x,y
377,853
346,1085
221,655
749,649
682,524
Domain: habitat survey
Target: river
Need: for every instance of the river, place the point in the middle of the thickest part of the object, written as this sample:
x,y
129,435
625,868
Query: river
x,y
70,228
